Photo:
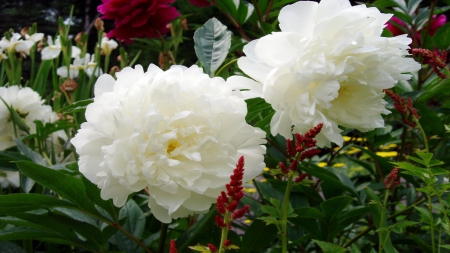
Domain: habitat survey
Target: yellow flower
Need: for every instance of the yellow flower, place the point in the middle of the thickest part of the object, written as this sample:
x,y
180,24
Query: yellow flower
x,y
390,146
266,169
387,153
322,164
247,221
249,190
338,165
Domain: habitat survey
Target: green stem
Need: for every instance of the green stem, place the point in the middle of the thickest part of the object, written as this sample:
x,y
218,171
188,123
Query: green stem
x,y
285,208
162,237
224,235
106,64
381,238
422,132
225,66
430,210
367,230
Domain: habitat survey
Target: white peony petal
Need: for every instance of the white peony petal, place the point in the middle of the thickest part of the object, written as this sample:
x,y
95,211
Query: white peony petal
x,y
299,18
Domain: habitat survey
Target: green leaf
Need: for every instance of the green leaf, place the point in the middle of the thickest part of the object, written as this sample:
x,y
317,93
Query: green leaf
x,y
442,37
16,118
376,210
426,157
413,170
26,151
93,192
195,230
272,211
309,213
9,247
15,203
134,224
211,43
258,236
19,233
430,121
67,186
424,214
399,227
354,249
330,247
332,208
78,106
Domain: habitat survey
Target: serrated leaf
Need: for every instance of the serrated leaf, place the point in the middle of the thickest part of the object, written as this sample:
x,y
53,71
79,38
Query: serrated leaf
x,y
330,247
424,214
397,227
275,202
211,43
417,160
272,211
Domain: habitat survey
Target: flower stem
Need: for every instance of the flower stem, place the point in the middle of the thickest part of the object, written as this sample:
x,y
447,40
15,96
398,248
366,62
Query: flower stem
x,y
162,237
285,214
226,66
382,238
430,210
224,235
424,136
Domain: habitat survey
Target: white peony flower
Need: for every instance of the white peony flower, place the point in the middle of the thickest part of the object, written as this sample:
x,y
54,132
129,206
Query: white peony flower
x,y
178,133
108,45
28,104
30,107
54,49
328,64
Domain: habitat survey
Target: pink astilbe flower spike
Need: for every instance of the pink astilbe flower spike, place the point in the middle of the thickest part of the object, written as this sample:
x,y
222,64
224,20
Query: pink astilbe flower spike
x,y
404,107
173,247
228,202
436,59
212,248
392,180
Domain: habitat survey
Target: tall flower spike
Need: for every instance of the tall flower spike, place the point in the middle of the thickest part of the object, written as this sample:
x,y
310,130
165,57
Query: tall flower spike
x,y
404,107
436,59
227,203
173,247
392,180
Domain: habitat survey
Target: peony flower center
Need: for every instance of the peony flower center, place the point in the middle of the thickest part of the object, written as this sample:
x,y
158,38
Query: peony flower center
x,y
173,144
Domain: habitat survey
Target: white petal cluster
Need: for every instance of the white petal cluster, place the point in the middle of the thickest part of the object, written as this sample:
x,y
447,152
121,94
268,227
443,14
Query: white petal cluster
x,y
177,133
328,64
54,49
29,105
87,64
17,44
108,45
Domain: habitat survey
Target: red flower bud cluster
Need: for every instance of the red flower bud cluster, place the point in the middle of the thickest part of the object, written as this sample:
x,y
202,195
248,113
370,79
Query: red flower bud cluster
x,y
212,248
301,177
392,180
227,243
173,247
436,59
405,108
305,145
228,202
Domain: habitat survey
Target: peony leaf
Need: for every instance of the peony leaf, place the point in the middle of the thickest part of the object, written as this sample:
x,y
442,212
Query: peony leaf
x,y
212,42
134,224
14,203
258,235
442,37
67,186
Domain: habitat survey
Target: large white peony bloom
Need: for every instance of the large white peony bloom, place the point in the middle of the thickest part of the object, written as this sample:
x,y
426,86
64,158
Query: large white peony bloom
x,y
178,133
328,64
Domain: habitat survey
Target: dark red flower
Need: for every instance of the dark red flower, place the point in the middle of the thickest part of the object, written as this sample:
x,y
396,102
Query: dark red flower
x,y
200,3
394,23
138,18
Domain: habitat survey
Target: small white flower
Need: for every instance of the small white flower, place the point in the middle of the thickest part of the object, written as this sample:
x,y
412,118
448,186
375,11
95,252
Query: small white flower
x,y
86,63
2,55
178,133
16,44
108,45
9,179
54,49
328,64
